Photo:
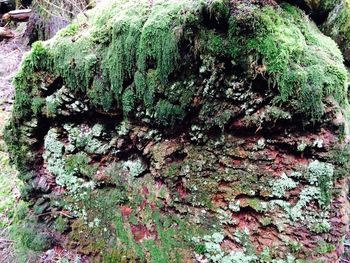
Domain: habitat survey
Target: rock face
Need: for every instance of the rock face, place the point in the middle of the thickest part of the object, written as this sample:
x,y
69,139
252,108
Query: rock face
x,y
337,26
186,131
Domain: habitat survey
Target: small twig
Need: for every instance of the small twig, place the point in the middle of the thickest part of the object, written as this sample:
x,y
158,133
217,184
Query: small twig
x,y
59,212
6,240
10,54
65,214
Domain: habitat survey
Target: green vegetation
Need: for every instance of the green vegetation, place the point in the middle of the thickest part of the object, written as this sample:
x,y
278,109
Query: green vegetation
x,y
139,44
8,181
325,247
145,69
142,38
304,65
79,164
14,222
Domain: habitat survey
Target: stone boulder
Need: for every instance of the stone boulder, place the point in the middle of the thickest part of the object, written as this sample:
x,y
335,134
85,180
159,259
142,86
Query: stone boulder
x,y
186,131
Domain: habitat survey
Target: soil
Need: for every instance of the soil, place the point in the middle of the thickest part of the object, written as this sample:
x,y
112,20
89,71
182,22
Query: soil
x,y
11,54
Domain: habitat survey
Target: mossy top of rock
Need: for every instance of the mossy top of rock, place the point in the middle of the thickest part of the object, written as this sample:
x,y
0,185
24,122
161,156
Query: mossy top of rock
x,y
305,65
125,54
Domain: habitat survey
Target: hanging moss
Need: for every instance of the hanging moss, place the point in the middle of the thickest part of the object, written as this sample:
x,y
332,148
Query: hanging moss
x,y
304,65
128,101
99,94
141,44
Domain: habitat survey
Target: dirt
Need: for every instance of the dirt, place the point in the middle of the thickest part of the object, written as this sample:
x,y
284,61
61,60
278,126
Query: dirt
x,y
11,54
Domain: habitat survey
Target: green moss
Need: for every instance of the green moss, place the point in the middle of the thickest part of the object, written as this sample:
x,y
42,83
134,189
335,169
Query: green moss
x,y
128,101
20,151
119,256
126,59
160,43
29,238
295,246
70,30
200,249
139,37
167,113
304,65
79,164
321,227
219,9
100,95
148,94
37,105
61,224
213,43
324,247
51,107
173,170
75,62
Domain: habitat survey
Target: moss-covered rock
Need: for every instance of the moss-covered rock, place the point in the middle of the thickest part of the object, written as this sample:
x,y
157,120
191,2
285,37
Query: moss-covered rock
x,y
337,26
176,131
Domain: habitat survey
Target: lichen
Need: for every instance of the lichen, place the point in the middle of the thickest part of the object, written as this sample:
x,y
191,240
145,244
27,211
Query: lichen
x,y
283,184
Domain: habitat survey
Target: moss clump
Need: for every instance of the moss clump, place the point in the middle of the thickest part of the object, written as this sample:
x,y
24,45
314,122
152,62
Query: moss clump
x,y
324,248
127,60
29,238
61,224
132,39
303,64
79,164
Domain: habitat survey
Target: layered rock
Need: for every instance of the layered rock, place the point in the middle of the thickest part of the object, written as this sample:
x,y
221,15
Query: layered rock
x,y
186,131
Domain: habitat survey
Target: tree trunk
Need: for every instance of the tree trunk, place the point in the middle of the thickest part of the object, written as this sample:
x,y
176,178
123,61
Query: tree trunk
x,y
18,15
